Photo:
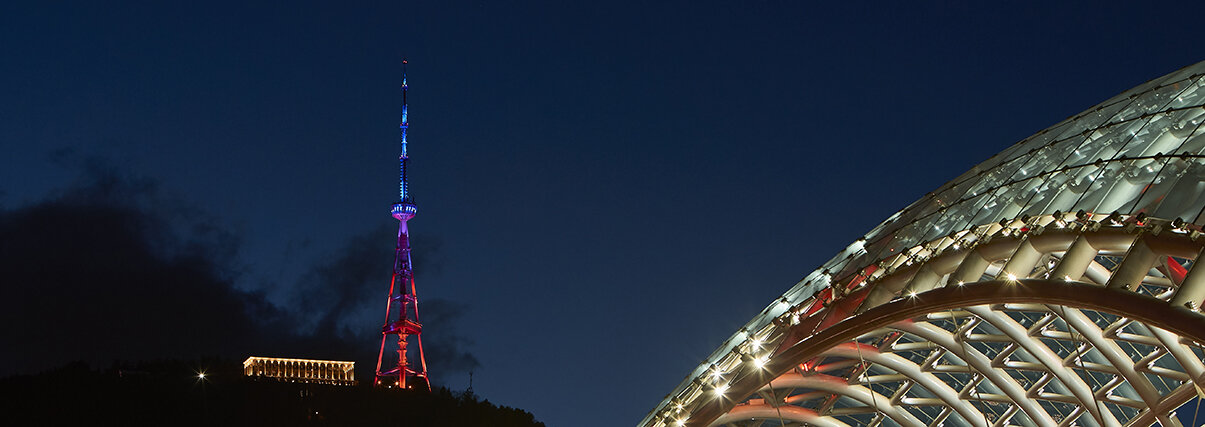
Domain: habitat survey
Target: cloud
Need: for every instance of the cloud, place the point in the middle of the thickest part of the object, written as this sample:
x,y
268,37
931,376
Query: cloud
x,y
447,349
347,292
97,273
112,269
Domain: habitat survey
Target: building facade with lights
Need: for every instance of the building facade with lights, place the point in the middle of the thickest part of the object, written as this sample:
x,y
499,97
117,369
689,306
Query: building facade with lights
x,y
1054,284
332,372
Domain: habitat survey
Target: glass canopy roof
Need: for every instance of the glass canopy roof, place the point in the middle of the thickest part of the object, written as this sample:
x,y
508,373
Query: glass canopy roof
x,y
1140,152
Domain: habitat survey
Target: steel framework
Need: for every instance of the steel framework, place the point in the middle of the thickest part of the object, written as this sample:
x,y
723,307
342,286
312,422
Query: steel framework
x,y
1054,284
401,305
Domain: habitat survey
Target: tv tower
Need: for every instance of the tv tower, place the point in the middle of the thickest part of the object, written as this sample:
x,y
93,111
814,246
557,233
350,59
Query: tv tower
x,y
401,308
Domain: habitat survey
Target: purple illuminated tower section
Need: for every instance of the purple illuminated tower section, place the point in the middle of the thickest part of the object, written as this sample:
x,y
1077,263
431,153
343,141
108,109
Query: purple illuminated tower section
x,y
401,307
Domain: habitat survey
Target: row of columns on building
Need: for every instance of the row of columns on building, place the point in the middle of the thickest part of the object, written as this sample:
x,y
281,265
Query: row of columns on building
x,y
305,370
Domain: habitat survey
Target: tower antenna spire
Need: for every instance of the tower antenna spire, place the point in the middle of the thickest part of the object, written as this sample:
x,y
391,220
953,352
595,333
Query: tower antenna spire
x,y
404,185
401,306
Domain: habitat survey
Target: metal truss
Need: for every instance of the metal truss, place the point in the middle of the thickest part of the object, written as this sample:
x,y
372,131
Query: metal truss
x,y
1053,322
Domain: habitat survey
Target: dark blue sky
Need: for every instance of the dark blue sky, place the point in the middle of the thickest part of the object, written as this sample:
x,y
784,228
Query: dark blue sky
x,y
606,190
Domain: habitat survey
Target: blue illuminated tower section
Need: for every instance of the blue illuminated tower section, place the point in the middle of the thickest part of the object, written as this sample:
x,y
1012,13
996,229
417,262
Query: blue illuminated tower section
x,y
401,307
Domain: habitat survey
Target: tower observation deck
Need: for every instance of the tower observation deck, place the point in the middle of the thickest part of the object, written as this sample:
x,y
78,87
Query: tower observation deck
x,y
401,307
1058,283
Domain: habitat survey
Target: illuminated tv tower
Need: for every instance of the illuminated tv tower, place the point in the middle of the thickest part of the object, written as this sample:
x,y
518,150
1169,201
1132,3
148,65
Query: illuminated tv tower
x,y
401,307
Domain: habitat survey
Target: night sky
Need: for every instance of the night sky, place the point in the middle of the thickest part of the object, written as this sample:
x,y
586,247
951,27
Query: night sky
x,y
606,190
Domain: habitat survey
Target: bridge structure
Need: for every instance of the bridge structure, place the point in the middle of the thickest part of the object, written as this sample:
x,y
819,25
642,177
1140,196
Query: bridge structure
x,y
1055,284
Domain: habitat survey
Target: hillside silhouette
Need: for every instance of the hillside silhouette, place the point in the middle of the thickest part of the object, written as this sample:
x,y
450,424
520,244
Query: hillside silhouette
x,y
170,392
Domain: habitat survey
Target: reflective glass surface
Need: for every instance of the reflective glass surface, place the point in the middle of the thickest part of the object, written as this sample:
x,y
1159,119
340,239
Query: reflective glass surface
x,y
1142,151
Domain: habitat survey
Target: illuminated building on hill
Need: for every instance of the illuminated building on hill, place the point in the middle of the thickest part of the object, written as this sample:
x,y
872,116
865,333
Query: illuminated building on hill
x,y
301,370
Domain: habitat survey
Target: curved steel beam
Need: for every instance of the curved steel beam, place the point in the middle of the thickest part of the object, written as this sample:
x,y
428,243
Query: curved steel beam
x,y
939,388
1183,355
1079,390
1179,320
1170,402
975,359
1080,323
767,412
837,385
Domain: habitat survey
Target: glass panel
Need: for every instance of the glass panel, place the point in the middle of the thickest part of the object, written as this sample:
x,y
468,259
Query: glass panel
x,y
837,264
878,249
1193,95
1175,192
1148,85
996,177
1027,193
1134,177
1186,72
1072,184
1111,187
1184,124
933,203
1039,140
1049,158
1151,138
803,290
1100,144
1013,198
967,178
949,196
881,230
1194,144
990,210
1150,102
1044,192
1091,119
934,227
1154,192
896,221
859,261
1186,195
907,237
958,217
